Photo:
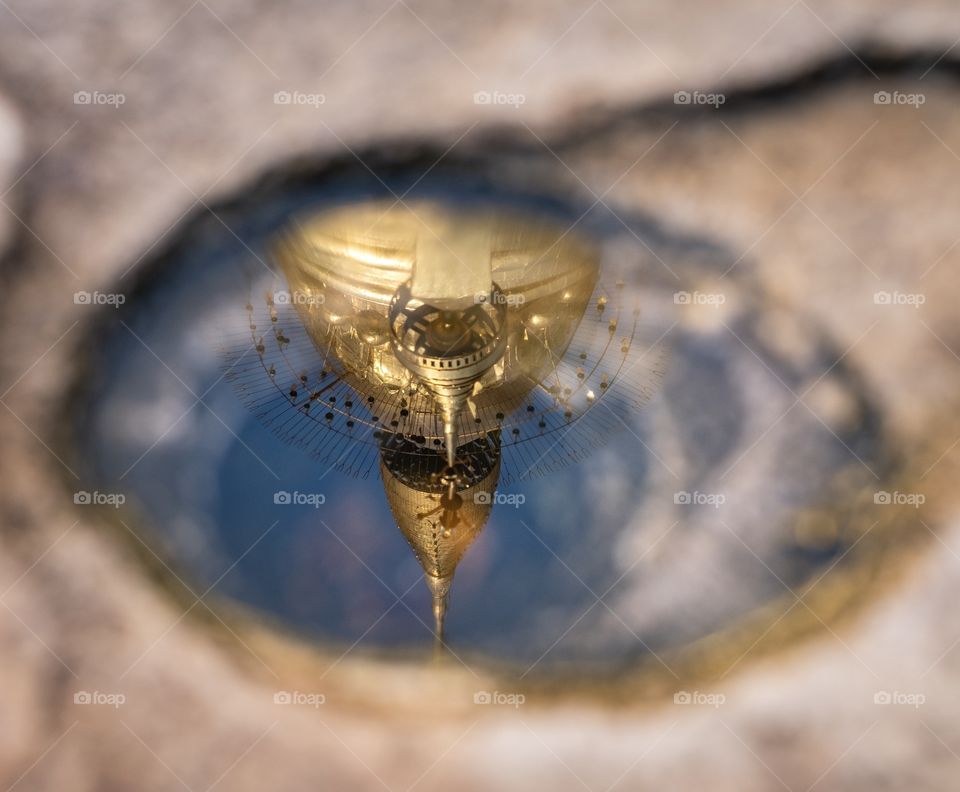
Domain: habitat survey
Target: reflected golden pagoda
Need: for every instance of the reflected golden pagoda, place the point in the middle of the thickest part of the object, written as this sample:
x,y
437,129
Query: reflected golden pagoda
x,y
467,311
440,515
430,343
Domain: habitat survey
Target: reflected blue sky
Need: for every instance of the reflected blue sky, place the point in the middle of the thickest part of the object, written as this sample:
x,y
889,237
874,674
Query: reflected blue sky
x,y
201,477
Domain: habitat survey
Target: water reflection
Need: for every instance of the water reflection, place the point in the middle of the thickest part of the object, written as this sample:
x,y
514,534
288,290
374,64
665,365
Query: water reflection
x,y
437,340
222,497
440,511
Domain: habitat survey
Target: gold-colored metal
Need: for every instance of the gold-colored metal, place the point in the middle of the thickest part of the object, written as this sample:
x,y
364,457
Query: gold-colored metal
x,y
440,512
468,309
345,268
435,337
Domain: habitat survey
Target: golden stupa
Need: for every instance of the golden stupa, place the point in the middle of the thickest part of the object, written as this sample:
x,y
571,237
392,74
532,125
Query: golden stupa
x,y
427,343
440,515
467,311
